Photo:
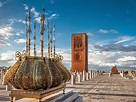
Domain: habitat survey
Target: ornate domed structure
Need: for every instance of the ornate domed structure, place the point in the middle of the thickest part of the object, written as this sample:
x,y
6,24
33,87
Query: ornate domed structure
x,y
37,72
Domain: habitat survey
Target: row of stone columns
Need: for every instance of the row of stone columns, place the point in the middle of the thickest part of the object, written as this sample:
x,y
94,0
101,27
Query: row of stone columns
x,y
77,77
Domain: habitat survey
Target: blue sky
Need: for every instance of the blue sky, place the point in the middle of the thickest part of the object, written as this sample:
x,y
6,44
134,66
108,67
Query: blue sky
x,y
109,24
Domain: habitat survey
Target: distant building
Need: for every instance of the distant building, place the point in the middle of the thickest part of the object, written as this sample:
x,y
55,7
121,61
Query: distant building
x,y
114,70
79,52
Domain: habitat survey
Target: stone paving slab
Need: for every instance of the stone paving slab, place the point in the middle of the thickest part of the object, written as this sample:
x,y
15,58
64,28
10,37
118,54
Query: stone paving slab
x,y
4,95
106,89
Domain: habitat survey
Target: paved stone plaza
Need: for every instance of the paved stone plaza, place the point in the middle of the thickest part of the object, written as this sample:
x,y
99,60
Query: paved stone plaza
x,y
4,94
99,89
106,89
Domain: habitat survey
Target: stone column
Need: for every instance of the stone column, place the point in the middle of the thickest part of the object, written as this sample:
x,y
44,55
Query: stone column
x,y
109,74
7,87
90,74
79,77
72,79
87,76
93,74
84,75
96,73
81,74
123,73
75,76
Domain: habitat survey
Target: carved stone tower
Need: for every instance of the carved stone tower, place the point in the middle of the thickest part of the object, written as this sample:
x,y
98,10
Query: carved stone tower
x,y
79,52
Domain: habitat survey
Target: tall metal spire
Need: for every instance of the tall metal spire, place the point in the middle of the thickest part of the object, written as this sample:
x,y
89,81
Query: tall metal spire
x,y
29,31
42,32
34,39
54,39
26,36
48,37
51,42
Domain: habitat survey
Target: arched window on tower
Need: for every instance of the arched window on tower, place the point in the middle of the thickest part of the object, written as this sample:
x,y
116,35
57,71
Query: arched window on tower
x,y
77,57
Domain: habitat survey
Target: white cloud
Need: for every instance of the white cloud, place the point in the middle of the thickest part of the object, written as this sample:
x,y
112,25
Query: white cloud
x,y
6,32
26,7
109,59
38,19
90,34
103,31
96,60
2,3
21,21
7,58
36,14
4,43
113,31
52,1
19,33
13,20
102,60
124,39
7,55
108,31
20,41
53,16
127,58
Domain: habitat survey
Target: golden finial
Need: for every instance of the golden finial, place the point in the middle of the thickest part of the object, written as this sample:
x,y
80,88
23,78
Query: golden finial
x,y
43,9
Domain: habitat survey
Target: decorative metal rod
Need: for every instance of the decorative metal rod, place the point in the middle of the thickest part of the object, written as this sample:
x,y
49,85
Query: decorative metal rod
x,y
54,40
42,32
48,26
29,31
51,41
34,39
26,37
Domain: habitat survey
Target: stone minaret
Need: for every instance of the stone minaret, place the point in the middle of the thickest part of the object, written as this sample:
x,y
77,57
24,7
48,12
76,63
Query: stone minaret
x,y
79,52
